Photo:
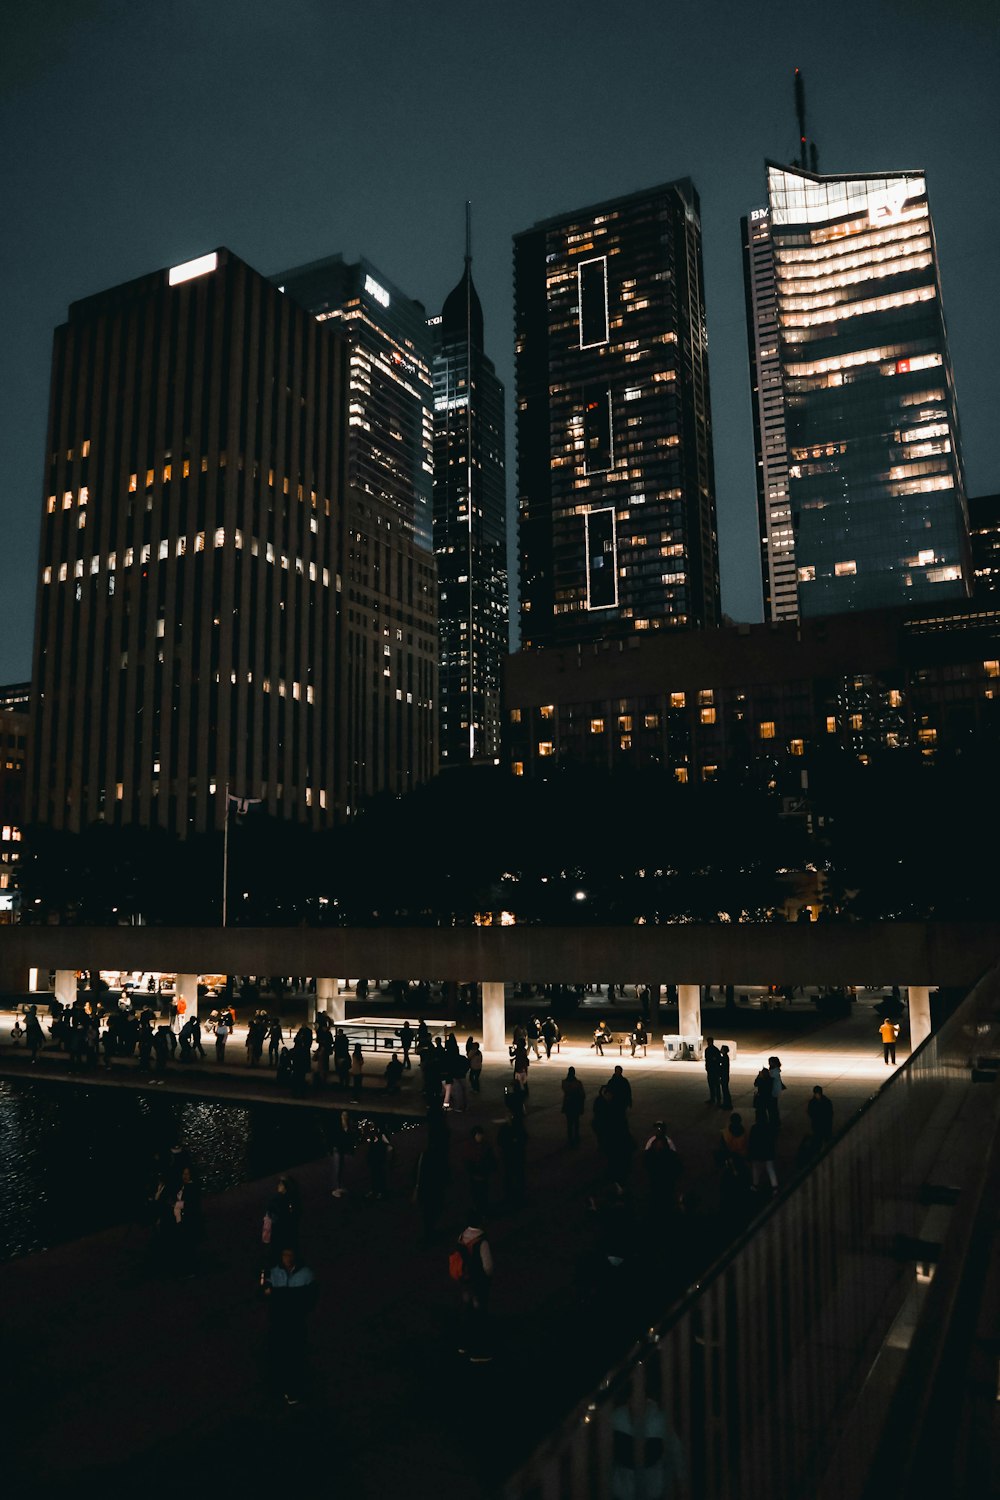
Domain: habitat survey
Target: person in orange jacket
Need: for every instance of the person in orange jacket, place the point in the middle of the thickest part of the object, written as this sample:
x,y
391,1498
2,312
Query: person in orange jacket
x,y
888,1031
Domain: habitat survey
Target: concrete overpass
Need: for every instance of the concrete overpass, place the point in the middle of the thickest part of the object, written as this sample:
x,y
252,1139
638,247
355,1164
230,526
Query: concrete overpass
x,y
916,955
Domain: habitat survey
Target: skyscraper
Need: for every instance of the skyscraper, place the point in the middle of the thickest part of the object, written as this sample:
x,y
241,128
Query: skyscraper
x,y
767,407
190,553
616,493
388,612
391,421
875,479
470,527
984,529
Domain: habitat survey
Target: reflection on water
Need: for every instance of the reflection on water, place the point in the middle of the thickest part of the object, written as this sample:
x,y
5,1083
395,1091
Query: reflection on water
x,y
77,1159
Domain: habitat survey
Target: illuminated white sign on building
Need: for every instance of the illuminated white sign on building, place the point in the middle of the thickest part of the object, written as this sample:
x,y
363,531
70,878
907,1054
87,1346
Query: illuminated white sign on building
x,y
885,208
756,214
378,292
192,268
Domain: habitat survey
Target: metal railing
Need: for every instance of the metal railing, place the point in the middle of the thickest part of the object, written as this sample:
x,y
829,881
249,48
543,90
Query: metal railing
x,y
760,1380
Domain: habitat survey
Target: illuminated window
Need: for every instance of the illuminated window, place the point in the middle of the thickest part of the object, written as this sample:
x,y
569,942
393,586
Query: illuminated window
x,y
651,721
677,700
706,696
150,474
518,768
708,773
625,742
927,736
831,724
807,575
625,723
796,747
681,774
856,721
991,668
547,711
163,549
133,481
597,726
707,715
515,716
895,698
845,569
546,747
51,505
767,729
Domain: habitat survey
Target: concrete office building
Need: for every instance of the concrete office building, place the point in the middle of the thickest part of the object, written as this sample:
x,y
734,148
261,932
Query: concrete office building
x,y
197,549
616,490
876,487
470,528
704,703
14,736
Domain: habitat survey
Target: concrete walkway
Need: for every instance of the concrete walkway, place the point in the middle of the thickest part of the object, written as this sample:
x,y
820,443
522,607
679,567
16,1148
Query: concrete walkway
x,y
124,1374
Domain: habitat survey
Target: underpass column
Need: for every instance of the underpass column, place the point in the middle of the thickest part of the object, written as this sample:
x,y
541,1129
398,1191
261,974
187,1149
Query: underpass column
x,y
689,1009
186,989
329,998
494,1018
919,997
66,986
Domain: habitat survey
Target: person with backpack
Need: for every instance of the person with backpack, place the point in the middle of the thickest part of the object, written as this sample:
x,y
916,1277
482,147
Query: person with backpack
x,y
470,1266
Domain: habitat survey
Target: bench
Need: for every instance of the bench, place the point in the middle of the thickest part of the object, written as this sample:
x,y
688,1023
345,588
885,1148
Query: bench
x,y
619,1039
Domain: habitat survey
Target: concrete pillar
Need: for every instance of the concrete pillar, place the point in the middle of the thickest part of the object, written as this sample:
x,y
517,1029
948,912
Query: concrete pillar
x,y
66,986
689,1009
329,998
186,989
494,1018
919,997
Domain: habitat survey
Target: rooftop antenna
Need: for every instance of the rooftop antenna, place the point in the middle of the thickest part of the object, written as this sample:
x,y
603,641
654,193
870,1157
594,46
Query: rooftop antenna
x,y
468,232
808,157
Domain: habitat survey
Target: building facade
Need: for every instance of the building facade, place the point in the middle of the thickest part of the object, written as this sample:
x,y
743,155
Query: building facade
x,y
875,477
616,490
984,531
388,616
391,402
14,733
706,703
470,529
767,406
190,556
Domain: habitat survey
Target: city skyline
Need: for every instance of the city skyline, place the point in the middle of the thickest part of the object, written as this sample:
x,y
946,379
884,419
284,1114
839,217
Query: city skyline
x,y
172,183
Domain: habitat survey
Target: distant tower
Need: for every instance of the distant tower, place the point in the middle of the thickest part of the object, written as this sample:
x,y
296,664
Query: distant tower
x,y
470,526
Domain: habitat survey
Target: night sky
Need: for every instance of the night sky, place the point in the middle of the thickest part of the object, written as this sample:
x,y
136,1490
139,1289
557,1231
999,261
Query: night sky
x,y
139,135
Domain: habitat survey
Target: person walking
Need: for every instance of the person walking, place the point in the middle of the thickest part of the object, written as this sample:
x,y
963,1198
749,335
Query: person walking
x,y
189,1224
33,1035
475,1056
620,1089
888,1031
550,1035
222,1031
762,1091
574,1098
713,1070
521,1065
777,1089
727,1098
275,1036
761,1153
820,1112
471,1265
291,1292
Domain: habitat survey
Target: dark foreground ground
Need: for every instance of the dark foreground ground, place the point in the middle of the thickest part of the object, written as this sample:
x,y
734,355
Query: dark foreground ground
x,y
123,1376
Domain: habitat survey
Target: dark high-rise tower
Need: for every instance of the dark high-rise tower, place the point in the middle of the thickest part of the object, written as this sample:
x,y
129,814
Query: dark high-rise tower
x,y
191,546
616,491
854,328
470,528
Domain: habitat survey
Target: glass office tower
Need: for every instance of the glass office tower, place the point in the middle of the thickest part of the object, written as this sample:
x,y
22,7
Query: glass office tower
x,y
616,489
875,473
767,398
470,529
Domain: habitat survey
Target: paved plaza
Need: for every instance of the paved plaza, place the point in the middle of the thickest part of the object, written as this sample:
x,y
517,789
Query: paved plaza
x,y
135,1376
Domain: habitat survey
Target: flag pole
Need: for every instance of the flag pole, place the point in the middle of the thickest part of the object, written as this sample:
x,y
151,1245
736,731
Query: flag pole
x,y
225,857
